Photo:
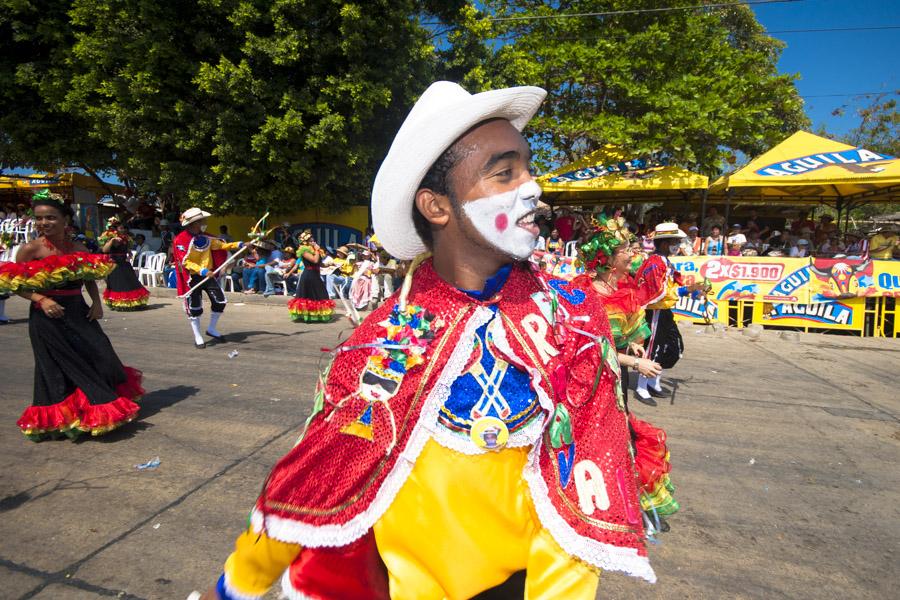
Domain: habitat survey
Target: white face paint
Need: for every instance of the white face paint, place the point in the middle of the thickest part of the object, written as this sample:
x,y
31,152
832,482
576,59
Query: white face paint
x,y
506,220
203,228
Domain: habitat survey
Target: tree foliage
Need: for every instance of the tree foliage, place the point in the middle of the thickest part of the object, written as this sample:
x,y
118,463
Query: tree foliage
x,y
241,105
693,85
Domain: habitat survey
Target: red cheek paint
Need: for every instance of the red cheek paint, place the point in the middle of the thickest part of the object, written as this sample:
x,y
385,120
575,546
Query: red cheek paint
x,y
501,222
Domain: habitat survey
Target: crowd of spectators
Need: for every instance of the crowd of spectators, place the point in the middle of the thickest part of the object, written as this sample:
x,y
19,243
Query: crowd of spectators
x,y
748,235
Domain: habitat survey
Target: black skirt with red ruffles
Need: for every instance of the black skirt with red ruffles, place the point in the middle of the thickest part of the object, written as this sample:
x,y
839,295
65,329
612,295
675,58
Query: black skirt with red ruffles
x,y
80,385
123,289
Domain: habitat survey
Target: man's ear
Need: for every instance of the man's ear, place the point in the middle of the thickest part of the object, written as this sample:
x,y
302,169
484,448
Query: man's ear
x,y
436,208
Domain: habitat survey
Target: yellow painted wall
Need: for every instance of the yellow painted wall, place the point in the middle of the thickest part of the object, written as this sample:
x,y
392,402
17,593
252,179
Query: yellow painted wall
x,y
239,226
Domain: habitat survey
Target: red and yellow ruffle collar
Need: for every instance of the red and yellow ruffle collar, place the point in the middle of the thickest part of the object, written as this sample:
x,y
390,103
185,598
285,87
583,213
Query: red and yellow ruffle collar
x,y
53,271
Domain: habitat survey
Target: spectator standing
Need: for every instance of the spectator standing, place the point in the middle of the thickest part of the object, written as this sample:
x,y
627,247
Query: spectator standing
x,y
223,234
166,236
713,219
714,245
803,222
565,225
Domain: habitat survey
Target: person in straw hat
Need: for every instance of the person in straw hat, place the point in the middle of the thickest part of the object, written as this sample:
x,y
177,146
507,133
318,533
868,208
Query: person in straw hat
x,y
469,428
196,255
664,344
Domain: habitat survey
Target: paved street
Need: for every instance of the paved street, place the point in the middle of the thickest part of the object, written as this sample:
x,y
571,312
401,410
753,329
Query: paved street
x,y
785,456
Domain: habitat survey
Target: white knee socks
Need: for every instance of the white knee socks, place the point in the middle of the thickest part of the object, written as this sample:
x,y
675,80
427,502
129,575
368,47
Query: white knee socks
x,y
213,319
195,326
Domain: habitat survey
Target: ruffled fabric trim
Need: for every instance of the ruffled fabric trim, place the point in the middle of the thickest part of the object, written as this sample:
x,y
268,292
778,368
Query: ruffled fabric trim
x,y
131,300
53,271
302,309
652,464
75,414
598,554
311,536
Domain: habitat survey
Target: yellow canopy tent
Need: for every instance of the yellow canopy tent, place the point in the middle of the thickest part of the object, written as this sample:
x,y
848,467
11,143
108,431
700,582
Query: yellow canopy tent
x,y
77,187
611,176
809,169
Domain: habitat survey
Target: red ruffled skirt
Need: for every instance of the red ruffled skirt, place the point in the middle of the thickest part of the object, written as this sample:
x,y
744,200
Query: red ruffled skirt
x,y
76,415
652,464
131,300
310,311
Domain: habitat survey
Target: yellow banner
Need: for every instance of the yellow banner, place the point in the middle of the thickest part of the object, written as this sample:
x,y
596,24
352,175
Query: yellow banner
x,y
886,277
848,314
842,278
753,278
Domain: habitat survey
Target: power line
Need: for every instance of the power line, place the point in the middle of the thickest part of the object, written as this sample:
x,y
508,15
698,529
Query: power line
x,y
634,11
587,38
830,29
846,95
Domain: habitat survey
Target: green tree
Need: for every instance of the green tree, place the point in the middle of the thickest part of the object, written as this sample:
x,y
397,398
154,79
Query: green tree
x,y
35,130
879,125
236,105
693,85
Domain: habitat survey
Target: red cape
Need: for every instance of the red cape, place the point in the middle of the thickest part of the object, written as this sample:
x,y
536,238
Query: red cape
x,y
180,247
332,487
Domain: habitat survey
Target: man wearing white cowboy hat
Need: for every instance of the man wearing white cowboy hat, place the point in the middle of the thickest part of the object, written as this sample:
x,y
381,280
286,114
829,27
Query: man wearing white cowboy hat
x,y
470,428
196,255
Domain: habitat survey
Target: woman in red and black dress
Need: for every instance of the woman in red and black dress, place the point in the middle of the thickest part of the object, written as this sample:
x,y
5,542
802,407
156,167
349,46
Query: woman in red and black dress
x,y
310,303
80,386
123,289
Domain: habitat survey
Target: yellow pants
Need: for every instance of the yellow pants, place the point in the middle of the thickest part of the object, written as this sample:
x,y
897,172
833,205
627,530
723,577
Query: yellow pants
x,y
459,525
463,524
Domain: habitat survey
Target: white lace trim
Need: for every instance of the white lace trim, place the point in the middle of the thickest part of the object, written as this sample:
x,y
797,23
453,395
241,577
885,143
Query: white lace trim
x,y
604,556
317,536
236,594
461,443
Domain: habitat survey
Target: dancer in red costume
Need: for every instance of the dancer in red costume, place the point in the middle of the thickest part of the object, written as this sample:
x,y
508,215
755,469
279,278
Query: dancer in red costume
x,y
196,255
80,386
628,282
123,289
470,428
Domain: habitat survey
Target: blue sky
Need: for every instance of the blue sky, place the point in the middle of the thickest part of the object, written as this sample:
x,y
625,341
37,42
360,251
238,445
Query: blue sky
x,y
837,62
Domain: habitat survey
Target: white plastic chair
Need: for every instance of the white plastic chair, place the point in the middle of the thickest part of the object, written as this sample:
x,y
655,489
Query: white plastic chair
x,y
571,249
144,258
153,272
227,283
9,255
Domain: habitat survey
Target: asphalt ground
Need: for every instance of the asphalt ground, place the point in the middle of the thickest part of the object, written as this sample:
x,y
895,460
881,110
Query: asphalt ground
x,y
785,457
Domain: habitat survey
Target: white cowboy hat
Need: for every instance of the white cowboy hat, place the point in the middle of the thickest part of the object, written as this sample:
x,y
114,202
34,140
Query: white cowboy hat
x,y
192,215
668,230
442,114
